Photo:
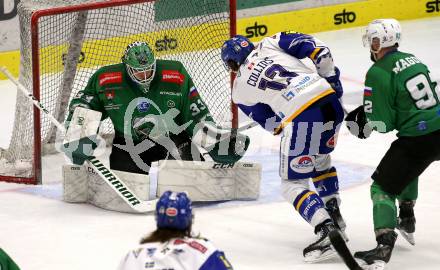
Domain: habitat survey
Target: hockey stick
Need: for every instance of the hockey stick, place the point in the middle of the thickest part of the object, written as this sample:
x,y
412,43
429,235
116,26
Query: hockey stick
x,y
110,178
247,126
340,246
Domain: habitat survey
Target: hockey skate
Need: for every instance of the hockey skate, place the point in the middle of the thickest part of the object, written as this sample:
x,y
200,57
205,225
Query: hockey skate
x,y
332,208
321,249
377,258
407,221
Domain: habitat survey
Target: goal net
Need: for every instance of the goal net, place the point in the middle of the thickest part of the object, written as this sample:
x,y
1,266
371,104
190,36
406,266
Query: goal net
x,y
64,41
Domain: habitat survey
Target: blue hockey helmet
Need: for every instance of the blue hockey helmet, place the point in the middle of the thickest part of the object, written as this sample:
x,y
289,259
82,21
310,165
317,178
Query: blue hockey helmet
x,y
174,211
235,51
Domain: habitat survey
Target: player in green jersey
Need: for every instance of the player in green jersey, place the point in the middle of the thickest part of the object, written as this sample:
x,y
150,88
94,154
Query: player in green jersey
x,y
399,95
6,263
150,99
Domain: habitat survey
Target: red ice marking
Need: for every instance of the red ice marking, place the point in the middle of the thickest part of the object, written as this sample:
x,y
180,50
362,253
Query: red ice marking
x,y
12,189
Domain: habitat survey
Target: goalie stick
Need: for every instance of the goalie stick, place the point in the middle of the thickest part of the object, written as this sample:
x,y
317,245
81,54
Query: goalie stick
x,y
247,126
254,124
340,246
110,178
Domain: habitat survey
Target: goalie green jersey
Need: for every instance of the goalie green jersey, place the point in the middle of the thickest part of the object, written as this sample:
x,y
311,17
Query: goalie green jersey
x,y
111,91
399,94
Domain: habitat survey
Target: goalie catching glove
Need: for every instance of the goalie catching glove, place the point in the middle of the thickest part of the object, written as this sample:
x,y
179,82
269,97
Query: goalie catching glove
x,y
80,150
231,149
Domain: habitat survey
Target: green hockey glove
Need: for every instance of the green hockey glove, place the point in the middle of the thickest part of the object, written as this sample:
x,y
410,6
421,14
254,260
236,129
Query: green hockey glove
x,y
80,150
231,149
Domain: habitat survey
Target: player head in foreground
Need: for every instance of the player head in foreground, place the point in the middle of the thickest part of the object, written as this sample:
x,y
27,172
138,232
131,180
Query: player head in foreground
x,y
285,96
172,245
399,95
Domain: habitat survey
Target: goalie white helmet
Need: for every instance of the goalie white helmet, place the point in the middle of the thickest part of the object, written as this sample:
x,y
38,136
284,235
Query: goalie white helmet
x,y
387,31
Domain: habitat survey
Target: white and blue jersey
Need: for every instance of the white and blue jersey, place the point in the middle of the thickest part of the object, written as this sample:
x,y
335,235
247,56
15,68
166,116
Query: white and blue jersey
x,y
283,93
176,254
273,85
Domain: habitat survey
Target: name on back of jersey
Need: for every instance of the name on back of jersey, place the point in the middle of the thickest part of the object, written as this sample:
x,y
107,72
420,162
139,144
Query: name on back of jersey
x,y
257,70
404,63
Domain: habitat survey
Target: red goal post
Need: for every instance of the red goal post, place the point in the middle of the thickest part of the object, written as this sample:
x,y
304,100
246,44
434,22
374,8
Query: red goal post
x,y
62,45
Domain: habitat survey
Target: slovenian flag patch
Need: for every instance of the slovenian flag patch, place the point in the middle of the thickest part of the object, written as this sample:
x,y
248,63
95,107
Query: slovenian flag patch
x,y
368,91
193,92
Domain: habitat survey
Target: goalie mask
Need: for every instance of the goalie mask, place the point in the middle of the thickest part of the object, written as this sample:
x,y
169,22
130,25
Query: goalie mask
x,y
174,211
140,63
384,32
235,51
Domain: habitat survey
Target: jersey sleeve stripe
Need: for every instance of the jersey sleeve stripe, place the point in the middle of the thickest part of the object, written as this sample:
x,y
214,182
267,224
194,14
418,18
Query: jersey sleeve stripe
x,y
303,108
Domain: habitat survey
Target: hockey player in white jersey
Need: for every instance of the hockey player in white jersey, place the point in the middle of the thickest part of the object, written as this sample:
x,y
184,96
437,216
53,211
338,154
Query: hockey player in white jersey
x,y
278,89
171,245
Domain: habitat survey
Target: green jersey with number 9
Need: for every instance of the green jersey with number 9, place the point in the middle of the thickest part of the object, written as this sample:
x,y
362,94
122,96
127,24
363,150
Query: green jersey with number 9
x,y
399,94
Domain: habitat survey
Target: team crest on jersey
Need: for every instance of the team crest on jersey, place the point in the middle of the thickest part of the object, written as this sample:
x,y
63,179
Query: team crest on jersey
x,y
244,43
110,77
143,106
172,76
302,164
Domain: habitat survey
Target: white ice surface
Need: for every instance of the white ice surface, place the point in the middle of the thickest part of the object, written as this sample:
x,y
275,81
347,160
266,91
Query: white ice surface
x,y
43,233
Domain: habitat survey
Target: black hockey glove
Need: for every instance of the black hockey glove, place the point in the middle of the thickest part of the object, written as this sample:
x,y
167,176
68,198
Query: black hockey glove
x,y
357,123
231,149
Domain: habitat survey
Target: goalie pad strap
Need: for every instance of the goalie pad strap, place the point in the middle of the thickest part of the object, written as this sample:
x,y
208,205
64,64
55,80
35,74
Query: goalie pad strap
x,y
209,181
75,181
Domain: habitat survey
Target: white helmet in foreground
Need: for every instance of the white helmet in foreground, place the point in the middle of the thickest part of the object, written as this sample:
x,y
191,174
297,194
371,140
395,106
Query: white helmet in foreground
x,y
387,31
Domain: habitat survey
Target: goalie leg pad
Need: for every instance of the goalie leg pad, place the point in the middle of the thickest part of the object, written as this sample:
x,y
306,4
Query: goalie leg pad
x,y
102,195
209,181
75,180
